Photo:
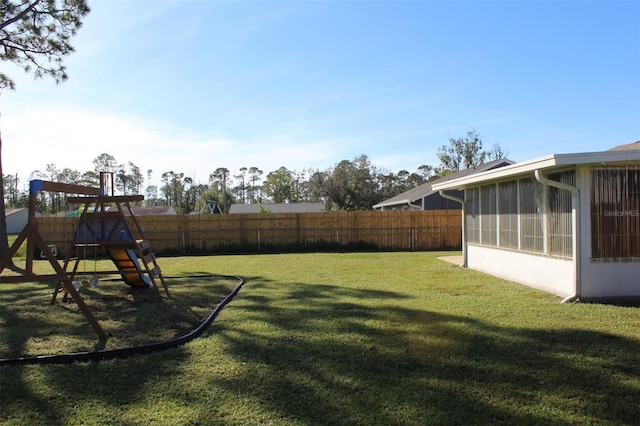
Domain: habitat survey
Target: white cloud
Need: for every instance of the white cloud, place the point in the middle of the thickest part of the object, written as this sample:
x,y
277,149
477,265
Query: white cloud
x,y
71,137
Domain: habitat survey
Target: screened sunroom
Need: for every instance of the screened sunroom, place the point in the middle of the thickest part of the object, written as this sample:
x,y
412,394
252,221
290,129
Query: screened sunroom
x,y
566,223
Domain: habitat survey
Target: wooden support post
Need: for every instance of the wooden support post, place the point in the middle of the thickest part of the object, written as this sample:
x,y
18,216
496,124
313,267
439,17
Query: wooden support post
x,y
6,260
68,285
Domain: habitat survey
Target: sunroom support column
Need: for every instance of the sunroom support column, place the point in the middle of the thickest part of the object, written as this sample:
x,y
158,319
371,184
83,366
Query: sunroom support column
x,y
575,219
464,223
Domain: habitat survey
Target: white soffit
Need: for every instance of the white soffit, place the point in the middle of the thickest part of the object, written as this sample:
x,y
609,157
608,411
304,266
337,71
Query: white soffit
x,y
550,161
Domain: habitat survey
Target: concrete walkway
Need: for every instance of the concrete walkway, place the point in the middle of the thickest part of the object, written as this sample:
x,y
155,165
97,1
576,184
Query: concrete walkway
x,y
452,259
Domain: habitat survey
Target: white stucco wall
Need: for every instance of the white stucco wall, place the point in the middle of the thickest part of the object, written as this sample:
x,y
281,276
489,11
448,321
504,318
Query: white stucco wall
x,y
605,280
545,273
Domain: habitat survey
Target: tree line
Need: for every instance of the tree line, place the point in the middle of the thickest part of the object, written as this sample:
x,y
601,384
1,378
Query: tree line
x,y
36,36
356,184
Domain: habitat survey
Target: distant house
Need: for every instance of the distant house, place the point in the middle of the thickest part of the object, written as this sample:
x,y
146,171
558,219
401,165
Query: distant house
x,y
423,197
565,223
17,219
153,210
277,208
137,211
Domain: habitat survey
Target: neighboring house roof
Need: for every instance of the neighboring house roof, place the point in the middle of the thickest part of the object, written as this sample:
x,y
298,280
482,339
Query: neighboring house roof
x,y
138,211
153,210
278,208
633,145
548,162
19,211
17,218
426,189
9,212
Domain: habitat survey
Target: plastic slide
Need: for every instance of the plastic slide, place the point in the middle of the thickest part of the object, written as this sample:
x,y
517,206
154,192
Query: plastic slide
x,y
127,263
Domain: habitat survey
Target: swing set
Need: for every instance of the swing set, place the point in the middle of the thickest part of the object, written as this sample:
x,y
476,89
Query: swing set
x,y
105,221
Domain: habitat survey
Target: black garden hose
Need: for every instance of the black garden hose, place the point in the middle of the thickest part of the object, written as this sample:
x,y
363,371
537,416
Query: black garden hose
x,y
133,350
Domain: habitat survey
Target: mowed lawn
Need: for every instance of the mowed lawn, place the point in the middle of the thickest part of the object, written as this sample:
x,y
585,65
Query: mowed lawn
x,y
331,339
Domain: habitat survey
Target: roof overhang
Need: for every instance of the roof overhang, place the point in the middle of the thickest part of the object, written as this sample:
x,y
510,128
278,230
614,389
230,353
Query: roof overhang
x,y
553,161
393,203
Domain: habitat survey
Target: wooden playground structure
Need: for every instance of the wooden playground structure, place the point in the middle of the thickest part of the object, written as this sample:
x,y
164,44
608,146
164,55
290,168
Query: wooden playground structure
x,y
105,221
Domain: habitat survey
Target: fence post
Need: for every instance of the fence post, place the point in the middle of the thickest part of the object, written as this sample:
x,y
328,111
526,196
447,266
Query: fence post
x,y
413,238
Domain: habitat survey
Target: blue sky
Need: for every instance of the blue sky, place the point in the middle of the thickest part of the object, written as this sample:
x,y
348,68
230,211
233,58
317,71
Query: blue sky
x,y
190,86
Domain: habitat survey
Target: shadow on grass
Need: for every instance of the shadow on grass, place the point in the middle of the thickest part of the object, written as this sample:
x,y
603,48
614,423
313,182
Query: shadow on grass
x,y
113,383
345,356
64,391
322,354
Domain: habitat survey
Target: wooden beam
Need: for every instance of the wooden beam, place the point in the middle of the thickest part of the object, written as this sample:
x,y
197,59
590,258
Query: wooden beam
x,y
68,188
105,199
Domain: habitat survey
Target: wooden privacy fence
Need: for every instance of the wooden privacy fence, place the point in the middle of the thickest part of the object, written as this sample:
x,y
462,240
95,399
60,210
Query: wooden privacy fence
x,y
281,232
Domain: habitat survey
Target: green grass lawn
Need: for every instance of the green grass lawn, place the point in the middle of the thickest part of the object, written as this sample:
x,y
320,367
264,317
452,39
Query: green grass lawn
x,y
315,339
